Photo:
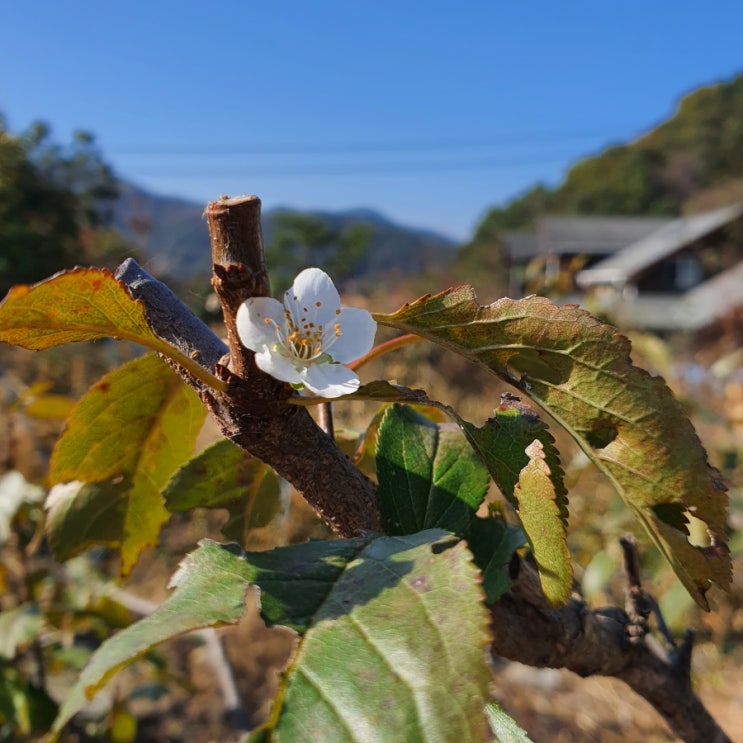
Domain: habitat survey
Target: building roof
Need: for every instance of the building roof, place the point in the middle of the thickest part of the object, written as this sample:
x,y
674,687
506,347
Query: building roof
x,y
713,299
594,235
663,242
520,245
579,236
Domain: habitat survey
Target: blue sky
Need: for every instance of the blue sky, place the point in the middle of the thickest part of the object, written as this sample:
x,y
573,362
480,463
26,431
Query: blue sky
x,y
428,112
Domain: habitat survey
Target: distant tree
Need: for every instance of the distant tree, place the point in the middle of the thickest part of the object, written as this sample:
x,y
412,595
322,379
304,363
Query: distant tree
x,y
622,180
520,213
55,205
708,125
483,256
301,240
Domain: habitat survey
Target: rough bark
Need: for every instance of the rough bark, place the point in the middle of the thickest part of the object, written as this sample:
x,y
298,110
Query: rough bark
x,y
256,415
601,642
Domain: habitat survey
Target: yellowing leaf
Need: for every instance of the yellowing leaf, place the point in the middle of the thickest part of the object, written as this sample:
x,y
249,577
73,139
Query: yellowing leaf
x,y
502,441
126,436
628,422
540,516
84,304
37,402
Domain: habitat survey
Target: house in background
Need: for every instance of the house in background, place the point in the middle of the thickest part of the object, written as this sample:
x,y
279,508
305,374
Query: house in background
x,y
653,273
559,244
683,276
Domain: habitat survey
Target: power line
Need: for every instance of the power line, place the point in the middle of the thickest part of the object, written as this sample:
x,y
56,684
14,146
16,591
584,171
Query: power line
x,y
363,147
352,169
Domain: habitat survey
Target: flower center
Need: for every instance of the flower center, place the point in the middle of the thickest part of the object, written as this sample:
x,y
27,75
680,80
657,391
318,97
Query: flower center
x,y
306,341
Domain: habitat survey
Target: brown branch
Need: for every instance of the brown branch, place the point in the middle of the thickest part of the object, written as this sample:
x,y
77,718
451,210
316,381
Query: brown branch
x,y
598,643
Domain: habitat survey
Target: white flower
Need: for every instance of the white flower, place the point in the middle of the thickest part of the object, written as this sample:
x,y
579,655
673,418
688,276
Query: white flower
x,y
307,340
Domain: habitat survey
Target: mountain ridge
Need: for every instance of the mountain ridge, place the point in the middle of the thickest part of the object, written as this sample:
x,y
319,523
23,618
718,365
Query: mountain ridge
x,y
172,235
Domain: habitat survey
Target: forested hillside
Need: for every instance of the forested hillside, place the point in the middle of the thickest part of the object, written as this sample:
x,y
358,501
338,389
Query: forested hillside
x,y
690,162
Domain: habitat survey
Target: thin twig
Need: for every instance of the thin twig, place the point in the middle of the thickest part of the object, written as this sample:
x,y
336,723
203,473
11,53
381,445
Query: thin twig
x,y
214,652
383,348
325,418
637,604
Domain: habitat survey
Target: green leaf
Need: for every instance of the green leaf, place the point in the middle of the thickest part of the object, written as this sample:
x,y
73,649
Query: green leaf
x,y
383,618
296,580
396,648
123,441
628,422
226,476
429,477
210,587
493,543
502,441
82,515
505,728
84,304
544,528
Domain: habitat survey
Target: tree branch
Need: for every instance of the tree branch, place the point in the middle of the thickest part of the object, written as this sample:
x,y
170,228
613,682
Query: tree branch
x,y
598,642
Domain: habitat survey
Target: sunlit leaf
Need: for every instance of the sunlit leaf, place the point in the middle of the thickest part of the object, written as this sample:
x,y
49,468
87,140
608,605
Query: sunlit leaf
x,y
37,402
544,527
82,515
19,627
15,491
226,476
210,587
83,304
124,440
401,620
628,422
429,476
381,617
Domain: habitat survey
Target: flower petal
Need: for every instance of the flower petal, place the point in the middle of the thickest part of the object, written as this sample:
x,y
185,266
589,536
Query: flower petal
x,y
254,324
330,380
313,296
357,335
279,366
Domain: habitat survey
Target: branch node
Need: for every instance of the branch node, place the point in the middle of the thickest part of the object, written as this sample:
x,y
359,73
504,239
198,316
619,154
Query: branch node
x,y
638,604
